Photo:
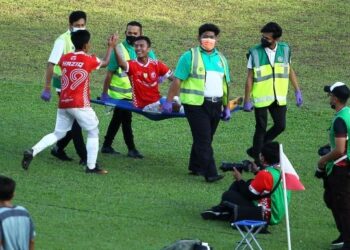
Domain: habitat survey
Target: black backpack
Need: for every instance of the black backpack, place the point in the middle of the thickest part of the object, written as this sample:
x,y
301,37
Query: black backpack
x,y
188,245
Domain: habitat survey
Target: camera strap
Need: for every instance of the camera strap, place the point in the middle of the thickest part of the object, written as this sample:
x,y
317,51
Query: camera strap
x,y
274,188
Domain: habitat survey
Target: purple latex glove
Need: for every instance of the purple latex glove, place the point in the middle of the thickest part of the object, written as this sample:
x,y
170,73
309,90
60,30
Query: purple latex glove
x,y
248,106
167,107
161,79
226,114
104,97
46,95
298,98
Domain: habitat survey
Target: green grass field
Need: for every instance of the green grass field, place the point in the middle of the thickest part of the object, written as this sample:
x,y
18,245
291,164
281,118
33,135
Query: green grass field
x,y
147,204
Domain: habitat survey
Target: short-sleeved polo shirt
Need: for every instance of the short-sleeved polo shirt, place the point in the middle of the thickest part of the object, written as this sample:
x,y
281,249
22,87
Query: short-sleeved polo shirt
x,y
113,64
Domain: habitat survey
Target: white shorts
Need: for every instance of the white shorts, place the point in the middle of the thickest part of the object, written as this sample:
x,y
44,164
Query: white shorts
x,y
86,117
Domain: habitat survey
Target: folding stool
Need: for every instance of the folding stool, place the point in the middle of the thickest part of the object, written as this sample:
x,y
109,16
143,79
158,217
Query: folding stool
x,y
252,227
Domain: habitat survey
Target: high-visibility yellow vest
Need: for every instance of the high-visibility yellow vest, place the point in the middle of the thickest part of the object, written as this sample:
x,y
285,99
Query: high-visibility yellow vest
x,y
120,87
192,89
270,83
68,47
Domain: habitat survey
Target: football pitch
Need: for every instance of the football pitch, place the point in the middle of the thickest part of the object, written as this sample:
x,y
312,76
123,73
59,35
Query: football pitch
x,y
150,203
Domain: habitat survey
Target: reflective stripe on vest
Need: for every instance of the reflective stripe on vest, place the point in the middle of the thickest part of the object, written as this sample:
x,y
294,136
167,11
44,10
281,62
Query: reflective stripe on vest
x,y
120,87
270,83
195,65
192,89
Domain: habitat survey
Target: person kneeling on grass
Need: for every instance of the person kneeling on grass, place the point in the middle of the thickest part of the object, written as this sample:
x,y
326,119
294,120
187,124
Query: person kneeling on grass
x,y
74,101
144,74
260,198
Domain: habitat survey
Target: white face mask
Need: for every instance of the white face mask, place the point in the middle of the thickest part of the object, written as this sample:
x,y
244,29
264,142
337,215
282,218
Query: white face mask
x,y
74,29
208,44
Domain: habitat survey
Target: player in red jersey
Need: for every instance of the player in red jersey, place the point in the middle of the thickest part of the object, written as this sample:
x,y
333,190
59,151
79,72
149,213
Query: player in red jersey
x,y
144,73
74,101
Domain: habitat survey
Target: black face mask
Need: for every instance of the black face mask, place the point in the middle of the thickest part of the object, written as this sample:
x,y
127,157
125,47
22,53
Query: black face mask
x,y
130,39
265,43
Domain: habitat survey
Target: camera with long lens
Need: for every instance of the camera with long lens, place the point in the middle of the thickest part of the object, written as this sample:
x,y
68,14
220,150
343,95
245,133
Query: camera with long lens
x,y
321,152
245,166
324,150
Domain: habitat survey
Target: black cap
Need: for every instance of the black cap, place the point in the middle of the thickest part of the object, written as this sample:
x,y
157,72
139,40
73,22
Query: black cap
x,y
339,90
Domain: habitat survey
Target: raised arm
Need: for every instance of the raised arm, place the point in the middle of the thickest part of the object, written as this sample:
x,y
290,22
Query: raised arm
x,y
122,64
112,42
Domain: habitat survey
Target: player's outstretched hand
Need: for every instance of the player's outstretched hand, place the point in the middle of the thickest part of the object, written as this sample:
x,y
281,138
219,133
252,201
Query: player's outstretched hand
x,y
113,40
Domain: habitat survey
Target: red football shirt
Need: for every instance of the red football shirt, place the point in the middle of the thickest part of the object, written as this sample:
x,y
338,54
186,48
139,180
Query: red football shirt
x,y
75,80
144,80
260,185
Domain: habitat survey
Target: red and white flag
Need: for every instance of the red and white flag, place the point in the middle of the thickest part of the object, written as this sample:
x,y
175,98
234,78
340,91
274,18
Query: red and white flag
x,y
291,177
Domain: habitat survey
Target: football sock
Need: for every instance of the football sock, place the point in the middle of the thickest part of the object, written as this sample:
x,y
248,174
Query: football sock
x,y
92,151
45,142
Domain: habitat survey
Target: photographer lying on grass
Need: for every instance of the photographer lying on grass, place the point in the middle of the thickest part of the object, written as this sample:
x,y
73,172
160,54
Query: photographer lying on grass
x,y
260,198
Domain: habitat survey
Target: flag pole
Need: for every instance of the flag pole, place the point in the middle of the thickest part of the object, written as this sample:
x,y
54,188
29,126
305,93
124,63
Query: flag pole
x,y
285,198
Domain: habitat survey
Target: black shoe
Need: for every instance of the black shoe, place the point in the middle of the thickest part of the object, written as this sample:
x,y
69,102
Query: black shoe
x,y
109,150
346,246
337,243
216,213
133,153
96,170
213,178
255,156
196,173
27,158
60,154
251,153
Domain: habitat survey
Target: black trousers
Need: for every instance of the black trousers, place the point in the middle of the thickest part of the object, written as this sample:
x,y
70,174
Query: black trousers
x,y
261,136
123,118
245,210
337,199
203,121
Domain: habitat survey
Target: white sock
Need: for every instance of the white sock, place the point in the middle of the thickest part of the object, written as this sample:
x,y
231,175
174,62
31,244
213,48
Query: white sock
x,y
45,142
92,151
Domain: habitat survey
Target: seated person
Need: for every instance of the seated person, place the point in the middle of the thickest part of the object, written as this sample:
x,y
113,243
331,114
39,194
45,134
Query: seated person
x,y
156,107
258,199
144,73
